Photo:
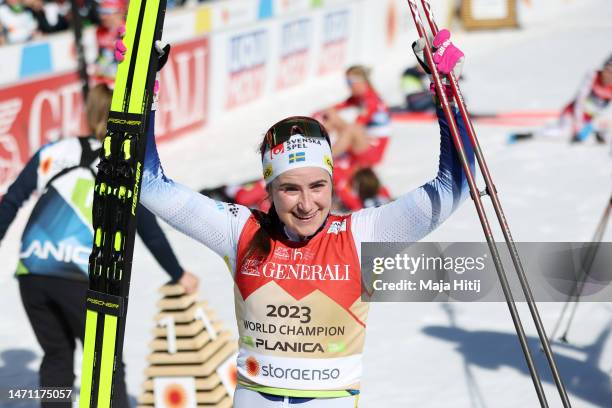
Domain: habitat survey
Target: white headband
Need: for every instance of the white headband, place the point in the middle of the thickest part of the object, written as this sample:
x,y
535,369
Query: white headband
x,y
298,151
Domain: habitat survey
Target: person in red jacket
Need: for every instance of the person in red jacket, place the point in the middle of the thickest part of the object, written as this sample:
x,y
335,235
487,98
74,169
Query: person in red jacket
x,y
111,28
582,116
363,191
364,140
360,144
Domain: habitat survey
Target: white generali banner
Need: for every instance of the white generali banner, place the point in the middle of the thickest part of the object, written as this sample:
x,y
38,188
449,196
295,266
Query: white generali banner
x,y
225,54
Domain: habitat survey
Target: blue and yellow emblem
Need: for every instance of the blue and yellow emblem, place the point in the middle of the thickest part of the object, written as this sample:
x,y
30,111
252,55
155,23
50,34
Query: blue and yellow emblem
x,y
297,157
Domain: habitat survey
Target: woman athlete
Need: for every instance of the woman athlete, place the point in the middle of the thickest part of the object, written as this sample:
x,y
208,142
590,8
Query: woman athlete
x,y
360,144
296,268
582,116
366,139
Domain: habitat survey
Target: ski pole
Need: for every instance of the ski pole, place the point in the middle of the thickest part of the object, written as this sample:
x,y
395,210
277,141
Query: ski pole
x,y
476,196
585,270
492,192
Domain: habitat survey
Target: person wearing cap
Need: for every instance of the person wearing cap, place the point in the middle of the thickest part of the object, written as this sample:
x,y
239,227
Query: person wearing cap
x,y
581,116
296,267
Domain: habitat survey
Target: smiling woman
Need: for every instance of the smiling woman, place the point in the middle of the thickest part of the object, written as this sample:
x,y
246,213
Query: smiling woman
x,y
296,268
302,199
298,167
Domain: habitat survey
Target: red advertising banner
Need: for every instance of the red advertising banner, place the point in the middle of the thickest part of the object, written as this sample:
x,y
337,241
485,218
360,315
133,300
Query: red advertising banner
x,y
183,98
40,111
35,113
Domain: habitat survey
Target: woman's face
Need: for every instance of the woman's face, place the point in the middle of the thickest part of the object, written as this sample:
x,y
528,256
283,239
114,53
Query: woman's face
x,y
302,198
111,20
357,84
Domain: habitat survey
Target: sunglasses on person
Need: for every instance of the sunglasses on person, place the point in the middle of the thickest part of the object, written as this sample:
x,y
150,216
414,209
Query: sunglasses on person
x,y
281,131
350,80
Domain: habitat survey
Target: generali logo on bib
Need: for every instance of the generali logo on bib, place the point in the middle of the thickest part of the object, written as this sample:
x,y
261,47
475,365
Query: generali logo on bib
x,y
305,272
338,281
328,264
290,264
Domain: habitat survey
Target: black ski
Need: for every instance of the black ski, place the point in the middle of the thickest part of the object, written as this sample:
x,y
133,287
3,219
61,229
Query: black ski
x,y
115,202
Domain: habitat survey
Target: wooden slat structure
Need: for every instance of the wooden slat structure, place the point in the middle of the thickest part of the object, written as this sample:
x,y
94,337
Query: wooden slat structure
x,y
197,353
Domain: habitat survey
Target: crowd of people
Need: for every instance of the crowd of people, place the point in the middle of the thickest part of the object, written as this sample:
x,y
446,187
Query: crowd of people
x,y
25,20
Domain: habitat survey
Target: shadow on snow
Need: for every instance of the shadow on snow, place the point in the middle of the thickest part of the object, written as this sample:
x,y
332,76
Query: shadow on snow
x,y
582,377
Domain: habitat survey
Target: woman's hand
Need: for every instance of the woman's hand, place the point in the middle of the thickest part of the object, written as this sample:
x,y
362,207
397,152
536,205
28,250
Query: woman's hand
x,y
189,282
446,56
162,50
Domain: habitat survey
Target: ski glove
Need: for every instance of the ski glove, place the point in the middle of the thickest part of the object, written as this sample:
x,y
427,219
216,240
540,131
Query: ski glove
x,y
447,57
163,50
120,48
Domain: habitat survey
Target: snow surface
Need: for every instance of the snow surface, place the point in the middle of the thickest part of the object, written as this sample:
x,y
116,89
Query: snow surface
x,y
417,354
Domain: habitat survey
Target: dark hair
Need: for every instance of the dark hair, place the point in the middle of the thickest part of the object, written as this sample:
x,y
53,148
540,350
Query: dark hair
x,y
294,131
367,183
260,244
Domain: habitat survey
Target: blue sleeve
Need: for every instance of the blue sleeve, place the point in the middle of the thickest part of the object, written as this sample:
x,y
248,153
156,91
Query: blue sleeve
x,y
18,193
417,213
215,224
151,160
157,243
450,162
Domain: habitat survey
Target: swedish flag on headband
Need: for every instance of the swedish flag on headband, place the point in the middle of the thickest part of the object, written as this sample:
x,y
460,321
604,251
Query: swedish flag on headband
x,y
297,157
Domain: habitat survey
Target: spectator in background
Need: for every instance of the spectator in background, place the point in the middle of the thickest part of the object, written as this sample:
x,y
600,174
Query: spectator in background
x,y
49,15
18,22
112,24
417,95
2,38
584,115
361,143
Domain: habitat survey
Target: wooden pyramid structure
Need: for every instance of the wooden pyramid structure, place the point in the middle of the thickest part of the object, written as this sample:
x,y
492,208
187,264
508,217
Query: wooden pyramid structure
x,y
189,341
